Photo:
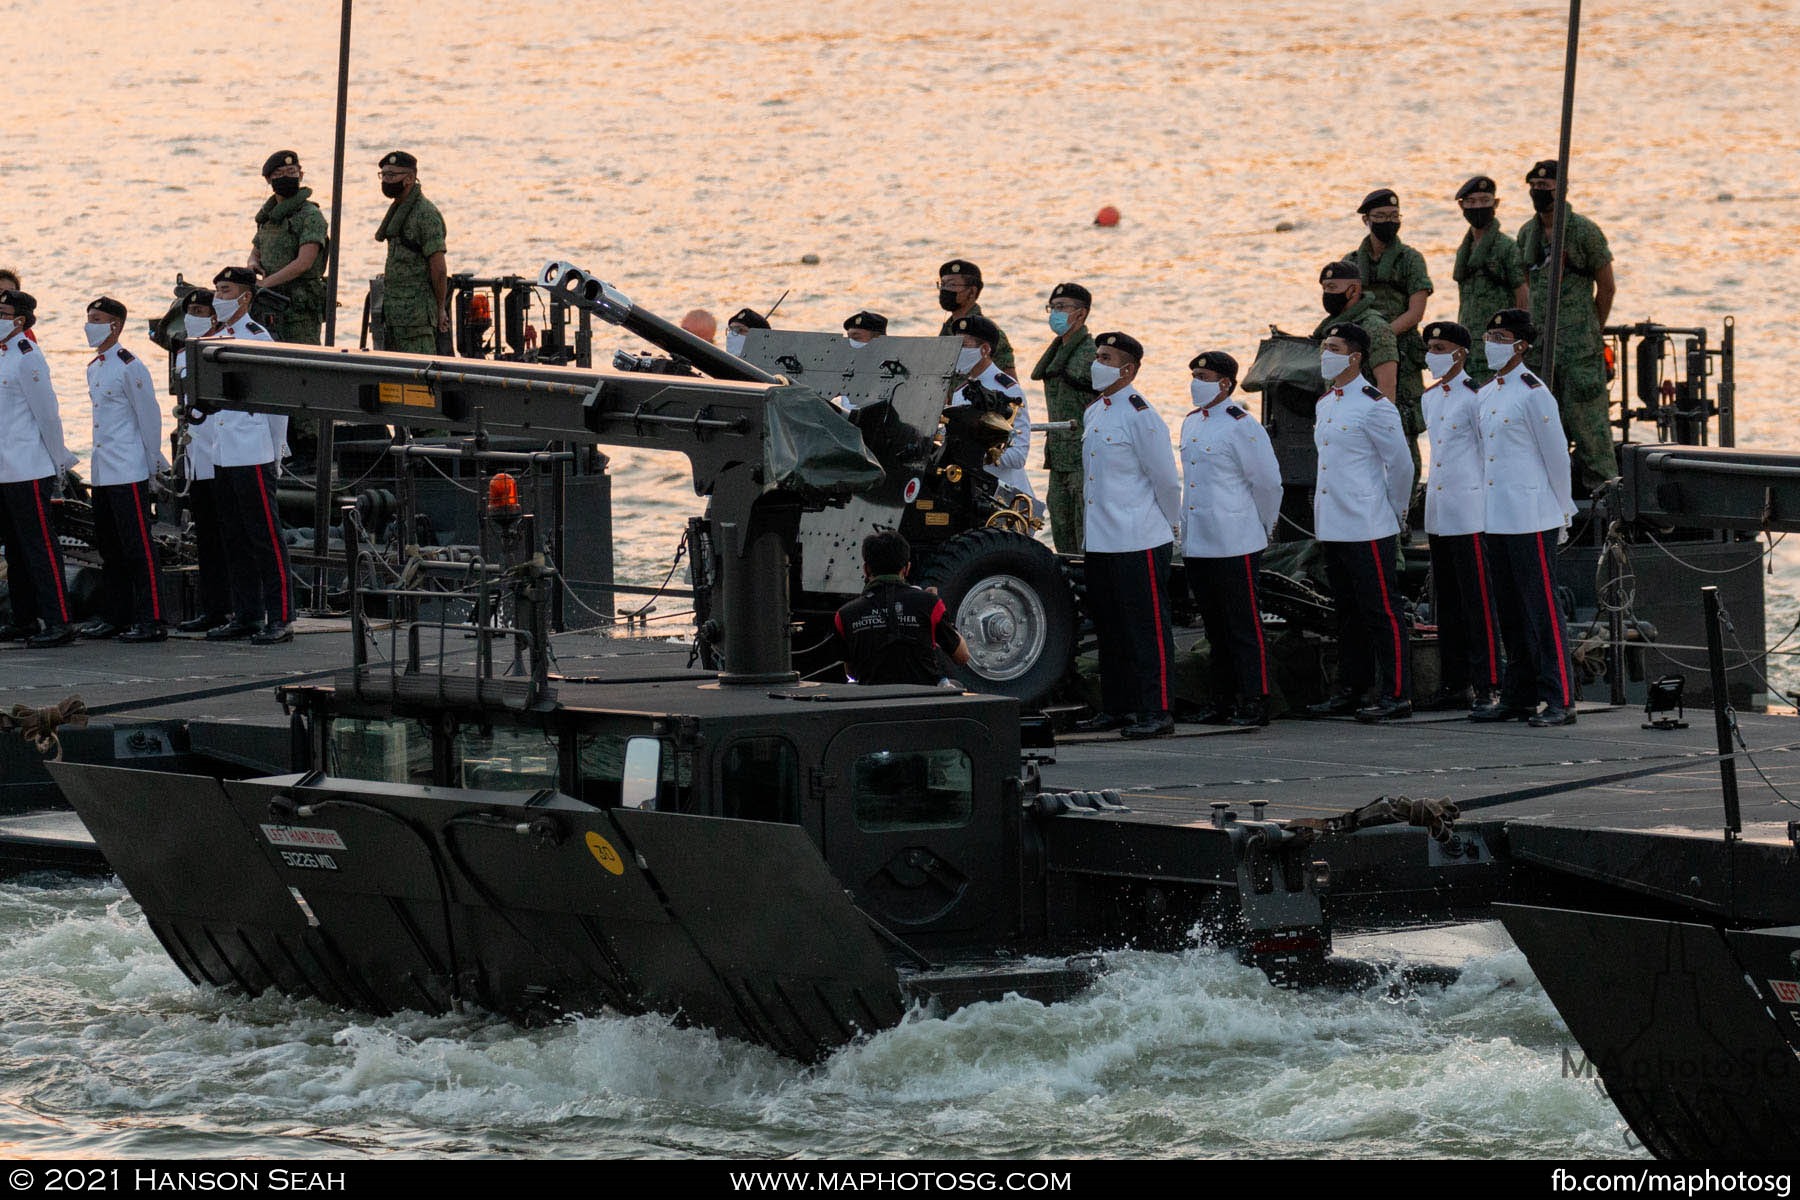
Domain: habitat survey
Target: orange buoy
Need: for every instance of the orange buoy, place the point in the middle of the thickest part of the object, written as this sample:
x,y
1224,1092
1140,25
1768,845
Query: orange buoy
x,y
1108,217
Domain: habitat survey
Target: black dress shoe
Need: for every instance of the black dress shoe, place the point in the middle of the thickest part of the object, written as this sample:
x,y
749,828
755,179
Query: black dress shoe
x,y
1552,716
55,635
230,631
1449,699
1251,713
201,623
1213,714
1385,709
274,631
1149,725
1502,710
146,631
1341,704
98,630
1101,722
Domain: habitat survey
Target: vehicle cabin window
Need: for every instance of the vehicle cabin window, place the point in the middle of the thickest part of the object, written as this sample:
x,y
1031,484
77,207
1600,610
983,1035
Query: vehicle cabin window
x,y
385,750
759,779
912,789
503,759
600,761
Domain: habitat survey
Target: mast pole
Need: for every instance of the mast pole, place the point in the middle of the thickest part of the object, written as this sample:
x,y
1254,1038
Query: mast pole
x,y
327,439
1560,225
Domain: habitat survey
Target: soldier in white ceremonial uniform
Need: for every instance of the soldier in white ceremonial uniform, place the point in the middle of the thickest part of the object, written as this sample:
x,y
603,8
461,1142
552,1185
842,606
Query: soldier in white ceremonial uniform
x,y
127,451
1455,517
1231,499
32,456
1131,497
1359,507
247,448
976,361
1528,512
197,455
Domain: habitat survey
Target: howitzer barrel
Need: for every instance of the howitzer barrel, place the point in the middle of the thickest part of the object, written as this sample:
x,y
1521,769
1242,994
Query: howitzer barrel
x,y
603,300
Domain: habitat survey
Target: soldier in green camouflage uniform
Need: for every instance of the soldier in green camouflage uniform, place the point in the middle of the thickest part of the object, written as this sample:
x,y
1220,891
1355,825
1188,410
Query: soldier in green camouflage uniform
x,y
1344,301
1489,275
415,286
1394,278
289,250
1068,390
1581,312
959,286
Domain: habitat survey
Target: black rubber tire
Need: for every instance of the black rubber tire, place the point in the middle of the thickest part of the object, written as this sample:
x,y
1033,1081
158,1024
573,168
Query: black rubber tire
x,y
961,563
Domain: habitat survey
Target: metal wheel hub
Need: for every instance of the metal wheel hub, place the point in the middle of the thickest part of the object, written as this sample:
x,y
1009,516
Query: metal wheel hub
x,y
1002,619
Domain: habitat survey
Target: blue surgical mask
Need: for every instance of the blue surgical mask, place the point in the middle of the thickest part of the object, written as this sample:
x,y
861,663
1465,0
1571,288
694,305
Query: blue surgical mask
x,y
1059,323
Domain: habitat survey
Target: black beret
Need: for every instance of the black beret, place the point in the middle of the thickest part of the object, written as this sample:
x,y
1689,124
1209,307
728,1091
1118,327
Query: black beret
x,y
1515,321
1448,331
1215,360
1379,198
199,298
1481,183
1544,170
1351,332
400,158
957,266
22,303
1073,291
874,322
1339,270
242,276
750,317
109,306
979,328
278,160
1123,342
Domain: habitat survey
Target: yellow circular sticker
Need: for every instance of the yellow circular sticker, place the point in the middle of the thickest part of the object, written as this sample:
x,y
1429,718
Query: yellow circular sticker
x,y
604,852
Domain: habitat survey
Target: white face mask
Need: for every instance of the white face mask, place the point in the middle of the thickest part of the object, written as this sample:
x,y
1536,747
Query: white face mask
x,y
1204,391
967,358
1332,364
226,309
734,343
97,333
1498,353
1440,365
854,344
1102,376
197,326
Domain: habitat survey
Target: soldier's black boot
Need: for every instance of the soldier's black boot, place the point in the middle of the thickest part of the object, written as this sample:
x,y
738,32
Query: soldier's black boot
x,y
1149,725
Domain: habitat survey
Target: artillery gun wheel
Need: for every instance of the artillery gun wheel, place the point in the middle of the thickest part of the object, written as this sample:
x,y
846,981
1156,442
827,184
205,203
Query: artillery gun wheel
x,y
1013,605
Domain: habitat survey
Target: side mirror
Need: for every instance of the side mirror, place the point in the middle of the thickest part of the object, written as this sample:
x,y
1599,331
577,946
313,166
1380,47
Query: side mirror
x,y
643,773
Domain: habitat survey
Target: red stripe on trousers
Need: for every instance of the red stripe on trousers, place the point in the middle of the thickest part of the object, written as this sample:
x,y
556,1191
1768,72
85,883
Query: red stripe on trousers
x,y
1381,578
1162,656
149,558
1487,621
1262,653
1562,664
62,600
262,490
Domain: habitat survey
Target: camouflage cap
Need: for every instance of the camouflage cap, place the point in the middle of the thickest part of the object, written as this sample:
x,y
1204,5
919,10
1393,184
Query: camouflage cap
x,y
1124,343
1215,360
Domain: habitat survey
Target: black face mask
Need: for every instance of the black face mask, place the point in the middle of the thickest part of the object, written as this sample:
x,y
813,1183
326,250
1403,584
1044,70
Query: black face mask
x,y
284,187
1480,218
393,189
1543,199
1387,231
948,300
1336,302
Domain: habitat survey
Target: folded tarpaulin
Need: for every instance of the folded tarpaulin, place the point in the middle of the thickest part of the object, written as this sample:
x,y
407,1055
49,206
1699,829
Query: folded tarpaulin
x,y
811,448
